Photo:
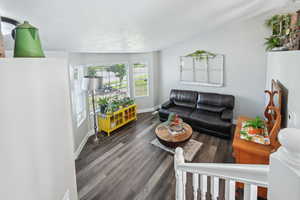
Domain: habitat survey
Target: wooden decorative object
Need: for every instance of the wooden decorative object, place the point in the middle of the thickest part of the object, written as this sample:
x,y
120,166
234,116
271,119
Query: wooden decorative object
x,y
246,152
294,39
169,140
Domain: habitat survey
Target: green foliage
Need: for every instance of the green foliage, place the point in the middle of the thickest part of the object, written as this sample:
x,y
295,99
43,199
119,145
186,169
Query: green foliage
x,y
280,24
245,134
119,70
201,54
91,71
113,103
255,123
273,42
103,100
281,30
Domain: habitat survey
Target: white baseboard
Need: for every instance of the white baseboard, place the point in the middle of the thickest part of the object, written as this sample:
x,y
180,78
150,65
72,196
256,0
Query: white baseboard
x,y
147,109
83,142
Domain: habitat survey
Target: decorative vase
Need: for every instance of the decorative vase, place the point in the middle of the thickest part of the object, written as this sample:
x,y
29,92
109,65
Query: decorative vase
x,y
102,108
255,131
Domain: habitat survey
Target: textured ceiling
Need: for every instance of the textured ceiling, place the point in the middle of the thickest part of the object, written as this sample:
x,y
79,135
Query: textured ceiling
x,y
124,26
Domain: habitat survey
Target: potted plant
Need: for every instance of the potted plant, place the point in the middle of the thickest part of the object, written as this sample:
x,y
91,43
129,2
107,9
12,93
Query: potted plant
x,y
255,126
281,32
273,43
103,103
126,101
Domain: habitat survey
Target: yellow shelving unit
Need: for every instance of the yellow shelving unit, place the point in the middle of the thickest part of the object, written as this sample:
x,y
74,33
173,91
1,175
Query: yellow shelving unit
x,y
110,122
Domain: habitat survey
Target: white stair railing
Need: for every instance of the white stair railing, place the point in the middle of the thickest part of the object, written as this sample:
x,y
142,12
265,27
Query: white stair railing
x,y
251,175
282,176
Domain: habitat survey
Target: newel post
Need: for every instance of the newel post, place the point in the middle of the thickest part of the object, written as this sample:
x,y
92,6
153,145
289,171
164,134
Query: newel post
x,y
284,174
180,175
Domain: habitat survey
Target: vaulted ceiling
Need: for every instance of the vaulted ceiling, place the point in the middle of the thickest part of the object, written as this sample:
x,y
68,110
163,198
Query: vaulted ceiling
x,y
133,25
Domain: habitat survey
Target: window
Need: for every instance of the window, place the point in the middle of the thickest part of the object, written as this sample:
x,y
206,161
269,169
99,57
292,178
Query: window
x,y
140,79
78,94
207,71
115,79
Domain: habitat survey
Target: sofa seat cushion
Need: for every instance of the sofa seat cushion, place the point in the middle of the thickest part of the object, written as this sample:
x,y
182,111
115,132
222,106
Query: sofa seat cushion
x,y
183,112
210,120
217,109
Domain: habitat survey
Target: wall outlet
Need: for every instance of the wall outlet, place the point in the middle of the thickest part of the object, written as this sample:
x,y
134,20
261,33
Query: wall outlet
x,y
67,195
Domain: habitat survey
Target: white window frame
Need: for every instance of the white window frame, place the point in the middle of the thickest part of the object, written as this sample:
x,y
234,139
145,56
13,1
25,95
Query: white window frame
x,y
206,71
127,64
78,95
148,79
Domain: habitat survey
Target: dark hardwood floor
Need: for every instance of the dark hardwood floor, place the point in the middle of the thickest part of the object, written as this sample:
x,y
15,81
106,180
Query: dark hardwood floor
x,y
125,166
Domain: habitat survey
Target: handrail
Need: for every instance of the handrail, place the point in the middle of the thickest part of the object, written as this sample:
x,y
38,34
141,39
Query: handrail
x,y
281,177
251,174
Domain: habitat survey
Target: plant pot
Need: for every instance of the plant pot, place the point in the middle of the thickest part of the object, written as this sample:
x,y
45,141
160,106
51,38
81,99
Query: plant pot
x,y
102,108
255,131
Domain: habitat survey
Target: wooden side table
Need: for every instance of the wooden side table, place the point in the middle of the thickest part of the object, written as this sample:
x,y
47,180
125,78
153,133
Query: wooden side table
x,y
246,152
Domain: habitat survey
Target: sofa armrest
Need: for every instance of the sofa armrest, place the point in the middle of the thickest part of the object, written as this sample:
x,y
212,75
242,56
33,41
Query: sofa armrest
x,y
227,115
166,105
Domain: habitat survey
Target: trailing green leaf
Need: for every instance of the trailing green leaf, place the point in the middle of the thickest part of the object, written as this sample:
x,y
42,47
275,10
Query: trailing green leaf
x,y
201,54
273,42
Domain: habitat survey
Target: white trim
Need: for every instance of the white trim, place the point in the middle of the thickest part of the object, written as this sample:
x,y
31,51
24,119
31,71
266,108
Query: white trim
x,y
67,195
148,109
82,144
202,84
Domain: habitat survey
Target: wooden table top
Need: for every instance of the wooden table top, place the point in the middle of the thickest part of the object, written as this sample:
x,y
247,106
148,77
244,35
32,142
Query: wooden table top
x,y
249,146
162,132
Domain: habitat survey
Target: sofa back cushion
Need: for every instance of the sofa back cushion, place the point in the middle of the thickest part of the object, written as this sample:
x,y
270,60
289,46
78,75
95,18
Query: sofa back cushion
x,y
215,102
185,98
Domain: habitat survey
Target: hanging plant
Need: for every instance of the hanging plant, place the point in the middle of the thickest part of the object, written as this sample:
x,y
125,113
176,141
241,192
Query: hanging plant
x,y
201,54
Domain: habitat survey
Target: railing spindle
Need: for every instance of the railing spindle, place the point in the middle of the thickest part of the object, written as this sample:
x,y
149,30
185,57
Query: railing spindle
x,y
250,192
195,185
184,184
180,175
214,187
229,190
203,180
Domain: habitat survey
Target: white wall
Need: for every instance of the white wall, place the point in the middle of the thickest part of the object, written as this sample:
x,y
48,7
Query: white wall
x,y
284,66
36,142
245,64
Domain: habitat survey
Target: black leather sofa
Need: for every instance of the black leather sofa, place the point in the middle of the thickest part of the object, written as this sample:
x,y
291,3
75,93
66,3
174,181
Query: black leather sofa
x,y
206,112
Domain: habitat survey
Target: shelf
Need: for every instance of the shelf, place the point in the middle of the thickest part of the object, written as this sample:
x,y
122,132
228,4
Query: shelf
x,y
111,122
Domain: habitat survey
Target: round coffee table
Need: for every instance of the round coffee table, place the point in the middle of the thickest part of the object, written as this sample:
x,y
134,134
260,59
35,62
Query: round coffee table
x,y
170,140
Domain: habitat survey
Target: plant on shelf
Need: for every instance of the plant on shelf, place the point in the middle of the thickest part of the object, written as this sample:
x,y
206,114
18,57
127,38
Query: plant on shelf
x,y
282,30
273,42
111,104
255,126
103,103
127,101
